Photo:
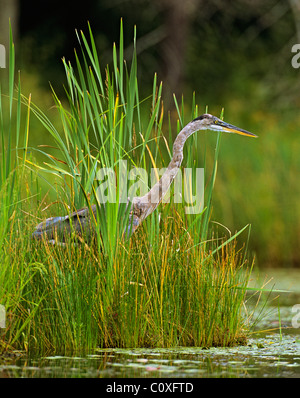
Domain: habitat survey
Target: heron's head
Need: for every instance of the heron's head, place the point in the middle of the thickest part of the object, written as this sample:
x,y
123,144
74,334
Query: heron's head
x,y
210,122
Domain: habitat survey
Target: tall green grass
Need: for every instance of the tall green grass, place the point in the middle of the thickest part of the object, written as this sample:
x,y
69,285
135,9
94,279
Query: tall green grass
x,y
271,167
172,283
10,115
170,294
14,188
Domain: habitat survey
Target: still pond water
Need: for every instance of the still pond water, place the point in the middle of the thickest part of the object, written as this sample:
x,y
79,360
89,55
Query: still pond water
x,y
272,353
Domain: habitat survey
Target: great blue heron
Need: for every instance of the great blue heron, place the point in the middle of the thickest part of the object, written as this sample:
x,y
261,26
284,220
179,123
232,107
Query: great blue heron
x,y
141,206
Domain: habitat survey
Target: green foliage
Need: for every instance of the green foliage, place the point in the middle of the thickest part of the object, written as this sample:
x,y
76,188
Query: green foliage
x,y
173,293
12,161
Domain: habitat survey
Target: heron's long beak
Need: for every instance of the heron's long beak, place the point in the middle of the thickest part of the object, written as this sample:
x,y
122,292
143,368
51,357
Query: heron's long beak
x,y
230,128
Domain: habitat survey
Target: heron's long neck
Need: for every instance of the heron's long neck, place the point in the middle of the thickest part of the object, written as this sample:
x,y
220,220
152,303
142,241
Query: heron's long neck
x,y
151,200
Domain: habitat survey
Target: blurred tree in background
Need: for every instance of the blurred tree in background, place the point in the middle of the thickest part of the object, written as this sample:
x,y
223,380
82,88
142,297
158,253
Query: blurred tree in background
x,y
213,47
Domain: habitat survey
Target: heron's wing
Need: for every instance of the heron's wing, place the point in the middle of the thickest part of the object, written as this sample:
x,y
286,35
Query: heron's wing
x,y
79,223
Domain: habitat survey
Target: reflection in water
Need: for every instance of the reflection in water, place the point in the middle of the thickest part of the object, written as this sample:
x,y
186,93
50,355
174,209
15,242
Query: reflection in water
x,y
270,356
